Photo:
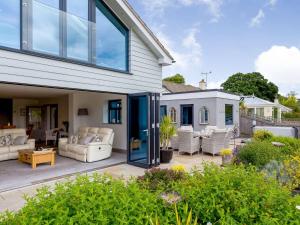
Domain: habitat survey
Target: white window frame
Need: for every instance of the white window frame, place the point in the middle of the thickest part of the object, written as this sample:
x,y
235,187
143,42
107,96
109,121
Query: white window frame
x,y
201,111
173,114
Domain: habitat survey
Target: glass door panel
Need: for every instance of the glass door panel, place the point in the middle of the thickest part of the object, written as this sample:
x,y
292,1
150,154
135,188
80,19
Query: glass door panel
x,y
138,130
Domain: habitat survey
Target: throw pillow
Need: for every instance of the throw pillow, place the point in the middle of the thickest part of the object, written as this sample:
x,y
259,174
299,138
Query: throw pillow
x,y
73,139
2,141
8,140
20,140
85,140
97,138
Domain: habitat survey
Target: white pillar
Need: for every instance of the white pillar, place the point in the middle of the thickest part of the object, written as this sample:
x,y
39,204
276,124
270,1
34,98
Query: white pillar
x,y
279,114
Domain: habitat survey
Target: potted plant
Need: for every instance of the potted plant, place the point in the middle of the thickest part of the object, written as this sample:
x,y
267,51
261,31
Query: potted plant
x,y
226,156
167,130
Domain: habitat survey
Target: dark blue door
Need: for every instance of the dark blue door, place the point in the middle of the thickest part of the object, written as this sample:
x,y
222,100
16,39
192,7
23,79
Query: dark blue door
x,y
143,116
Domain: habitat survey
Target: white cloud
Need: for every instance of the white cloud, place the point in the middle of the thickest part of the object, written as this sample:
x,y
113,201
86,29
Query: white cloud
x,y
272,2
215,84
158,7
187,53
255,21
281,65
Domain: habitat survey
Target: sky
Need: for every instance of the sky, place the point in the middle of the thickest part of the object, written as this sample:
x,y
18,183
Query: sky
x,y
228,36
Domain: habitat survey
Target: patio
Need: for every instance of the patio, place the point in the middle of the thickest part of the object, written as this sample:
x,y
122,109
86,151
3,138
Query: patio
x,y
14,174
14,199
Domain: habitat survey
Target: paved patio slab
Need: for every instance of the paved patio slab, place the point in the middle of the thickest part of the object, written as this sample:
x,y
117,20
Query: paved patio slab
x,y
15,174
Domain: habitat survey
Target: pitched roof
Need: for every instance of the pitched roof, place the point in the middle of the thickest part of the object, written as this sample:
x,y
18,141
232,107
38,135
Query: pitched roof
x,y
178,88
253,101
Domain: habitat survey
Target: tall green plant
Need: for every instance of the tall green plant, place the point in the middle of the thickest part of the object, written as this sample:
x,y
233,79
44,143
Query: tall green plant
x,y
167,130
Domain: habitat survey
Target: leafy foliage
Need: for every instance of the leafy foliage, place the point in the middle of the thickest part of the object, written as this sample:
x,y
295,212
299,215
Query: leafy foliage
x,y
262,135
232,195
177,78
290,101
251,83
167,130
161,179
259,153
292,168
237,195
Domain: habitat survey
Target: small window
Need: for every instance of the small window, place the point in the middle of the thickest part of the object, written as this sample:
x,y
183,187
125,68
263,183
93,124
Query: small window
x,y
114,112
228,114
163,111
203,116
173,114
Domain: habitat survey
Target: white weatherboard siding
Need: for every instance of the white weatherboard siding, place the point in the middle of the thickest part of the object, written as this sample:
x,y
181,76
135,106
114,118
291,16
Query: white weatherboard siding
x,y
27,69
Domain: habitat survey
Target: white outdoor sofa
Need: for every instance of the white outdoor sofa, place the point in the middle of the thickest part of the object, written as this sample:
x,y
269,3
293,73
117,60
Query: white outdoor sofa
x,y
11,151
91,152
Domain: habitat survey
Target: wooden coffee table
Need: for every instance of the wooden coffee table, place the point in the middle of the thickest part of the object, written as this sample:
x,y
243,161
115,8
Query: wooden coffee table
x,y
37,157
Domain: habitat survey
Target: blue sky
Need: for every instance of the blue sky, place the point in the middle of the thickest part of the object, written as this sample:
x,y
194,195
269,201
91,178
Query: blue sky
x,y
228,36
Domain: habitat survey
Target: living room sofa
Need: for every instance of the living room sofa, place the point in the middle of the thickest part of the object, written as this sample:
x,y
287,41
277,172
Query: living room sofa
x,y
89,152
11,151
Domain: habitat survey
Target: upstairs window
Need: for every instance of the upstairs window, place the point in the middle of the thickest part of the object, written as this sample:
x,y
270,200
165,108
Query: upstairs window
x,y
86,31
228,114
45,27
203,116
111,39
77,29
10,23
173,115
115,112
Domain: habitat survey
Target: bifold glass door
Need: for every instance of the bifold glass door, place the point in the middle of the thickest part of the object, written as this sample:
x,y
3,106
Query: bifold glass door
x,y
143,140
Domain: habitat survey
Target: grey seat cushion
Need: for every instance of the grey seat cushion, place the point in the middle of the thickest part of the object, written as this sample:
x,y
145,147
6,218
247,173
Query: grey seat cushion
x,y
20,140
85,140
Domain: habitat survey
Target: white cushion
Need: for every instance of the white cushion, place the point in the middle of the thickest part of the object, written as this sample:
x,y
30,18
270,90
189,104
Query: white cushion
x,y
78,149
16,148
4,150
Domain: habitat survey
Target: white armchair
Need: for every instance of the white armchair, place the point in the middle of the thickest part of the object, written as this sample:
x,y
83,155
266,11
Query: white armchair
x,y
214,143
187,142
91,152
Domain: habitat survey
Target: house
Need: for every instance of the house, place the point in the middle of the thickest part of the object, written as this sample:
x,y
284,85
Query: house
x,y
255,106
199,107
90,63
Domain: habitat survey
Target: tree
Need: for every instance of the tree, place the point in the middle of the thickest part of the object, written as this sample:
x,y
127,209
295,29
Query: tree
x,y
251,83
290,101
177,78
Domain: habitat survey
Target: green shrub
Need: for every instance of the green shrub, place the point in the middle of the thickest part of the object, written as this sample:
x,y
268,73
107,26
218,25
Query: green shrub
x,y
262,135
233,195
238,195
100,200
162,179
292,144
259,153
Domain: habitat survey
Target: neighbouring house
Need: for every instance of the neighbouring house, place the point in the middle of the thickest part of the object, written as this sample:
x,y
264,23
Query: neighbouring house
x,y
198,106
264,109
90,63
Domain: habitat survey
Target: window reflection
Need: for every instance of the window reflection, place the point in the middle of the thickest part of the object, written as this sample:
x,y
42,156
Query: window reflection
x,y
45,26
10,23
77,29
111,40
